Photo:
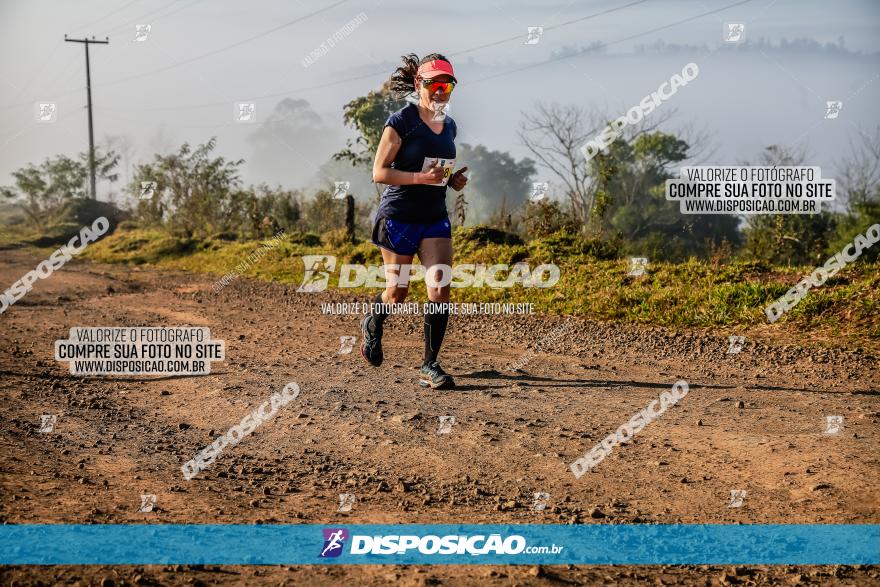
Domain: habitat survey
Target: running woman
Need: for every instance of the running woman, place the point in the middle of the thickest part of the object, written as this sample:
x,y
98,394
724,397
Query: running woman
x,y
412,215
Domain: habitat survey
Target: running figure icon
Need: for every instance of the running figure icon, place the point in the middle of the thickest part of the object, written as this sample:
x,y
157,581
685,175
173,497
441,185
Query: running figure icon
x,y
333,542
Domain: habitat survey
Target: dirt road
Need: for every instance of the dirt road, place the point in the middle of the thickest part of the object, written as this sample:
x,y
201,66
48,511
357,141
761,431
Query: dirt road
x,y
753,420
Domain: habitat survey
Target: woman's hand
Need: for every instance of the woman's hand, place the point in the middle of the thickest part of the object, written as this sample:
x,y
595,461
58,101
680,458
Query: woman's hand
x,y
458,179
433,175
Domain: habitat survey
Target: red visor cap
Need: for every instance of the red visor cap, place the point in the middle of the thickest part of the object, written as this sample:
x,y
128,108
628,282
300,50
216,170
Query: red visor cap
x,y
429,69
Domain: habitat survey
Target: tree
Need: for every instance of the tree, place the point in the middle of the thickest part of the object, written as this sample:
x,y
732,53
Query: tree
x,y
122,145
268,210
289,143
195,195
788,238
43,191
858,189
323,213
367,115
499,184
630,198
546,217
555,135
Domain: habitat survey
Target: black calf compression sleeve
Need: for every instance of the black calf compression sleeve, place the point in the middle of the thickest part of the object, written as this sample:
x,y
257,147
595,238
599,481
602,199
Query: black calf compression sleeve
x,y
378,312
435,330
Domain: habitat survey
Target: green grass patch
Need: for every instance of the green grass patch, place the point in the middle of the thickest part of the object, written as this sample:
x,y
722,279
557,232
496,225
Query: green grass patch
x,y
694,293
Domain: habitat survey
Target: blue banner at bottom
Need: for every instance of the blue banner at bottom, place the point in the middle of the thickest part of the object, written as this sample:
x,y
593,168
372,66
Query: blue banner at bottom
x,y
420,544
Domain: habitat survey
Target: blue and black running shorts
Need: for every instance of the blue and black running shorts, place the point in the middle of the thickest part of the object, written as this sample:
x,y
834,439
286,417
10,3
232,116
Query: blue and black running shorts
x,y
403,238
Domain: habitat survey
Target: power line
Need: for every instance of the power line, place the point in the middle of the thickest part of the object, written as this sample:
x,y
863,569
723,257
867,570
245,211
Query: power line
x,y
190,60
43,67
108,15
226,47
384,72
624,39
530,66
114,29
28,83
142,18
548,28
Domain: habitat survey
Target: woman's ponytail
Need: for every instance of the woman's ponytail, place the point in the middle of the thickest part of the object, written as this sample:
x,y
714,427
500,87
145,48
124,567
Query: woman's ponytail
x,y
404,77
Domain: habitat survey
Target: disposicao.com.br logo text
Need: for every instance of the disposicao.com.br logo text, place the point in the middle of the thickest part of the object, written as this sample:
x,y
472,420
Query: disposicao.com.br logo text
x,y
476,545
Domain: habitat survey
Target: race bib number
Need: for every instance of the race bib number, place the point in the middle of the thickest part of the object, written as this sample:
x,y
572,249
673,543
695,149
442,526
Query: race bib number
x,y
447,164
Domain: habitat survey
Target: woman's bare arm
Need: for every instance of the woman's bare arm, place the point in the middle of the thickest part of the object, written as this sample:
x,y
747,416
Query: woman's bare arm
x,y
389,145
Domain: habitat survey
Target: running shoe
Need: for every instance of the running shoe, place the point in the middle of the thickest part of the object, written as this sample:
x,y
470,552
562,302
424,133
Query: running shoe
x,y
371,347
432,375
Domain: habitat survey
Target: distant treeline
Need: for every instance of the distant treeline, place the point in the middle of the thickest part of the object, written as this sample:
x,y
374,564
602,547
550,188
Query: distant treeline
x,y
618,204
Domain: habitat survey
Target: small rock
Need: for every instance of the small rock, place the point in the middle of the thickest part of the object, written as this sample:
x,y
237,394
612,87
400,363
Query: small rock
x,y
597,513
408,417
537,572
740,404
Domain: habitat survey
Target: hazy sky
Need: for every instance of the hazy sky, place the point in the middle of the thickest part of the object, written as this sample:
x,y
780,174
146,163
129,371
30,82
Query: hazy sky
x,y
203,56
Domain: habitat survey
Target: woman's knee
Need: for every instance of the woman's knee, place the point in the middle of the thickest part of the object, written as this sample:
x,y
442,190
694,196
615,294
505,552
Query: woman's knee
x,y
396,295
438,294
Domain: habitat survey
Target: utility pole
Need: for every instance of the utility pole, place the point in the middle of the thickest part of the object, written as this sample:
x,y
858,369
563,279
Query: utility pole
x,y
88,42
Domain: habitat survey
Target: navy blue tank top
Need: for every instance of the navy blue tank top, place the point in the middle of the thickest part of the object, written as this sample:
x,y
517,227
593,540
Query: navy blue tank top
x,y
417,203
